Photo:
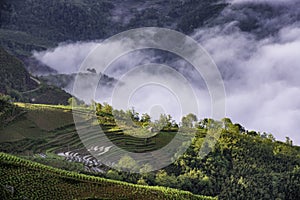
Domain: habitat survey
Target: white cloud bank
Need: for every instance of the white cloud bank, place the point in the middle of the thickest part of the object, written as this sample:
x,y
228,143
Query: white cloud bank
x,y
261,74
261,77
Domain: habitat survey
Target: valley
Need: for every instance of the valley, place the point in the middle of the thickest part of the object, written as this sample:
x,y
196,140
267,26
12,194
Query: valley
x,y
130,140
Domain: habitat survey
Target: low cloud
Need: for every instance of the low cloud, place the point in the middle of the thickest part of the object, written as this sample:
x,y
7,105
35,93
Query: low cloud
x,y
260,67
66,58
261,77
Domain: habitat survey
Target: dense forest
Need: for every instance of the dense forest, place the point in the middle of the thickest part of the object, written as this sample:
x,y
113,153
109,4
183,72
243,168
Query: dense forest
x,y
34,25
21,86
242,165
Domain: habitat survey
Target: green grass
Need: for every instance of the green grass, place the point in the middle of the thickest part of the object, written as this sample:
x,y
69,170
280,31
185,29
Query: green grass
x,y
20,129
37,122
39,106
31,180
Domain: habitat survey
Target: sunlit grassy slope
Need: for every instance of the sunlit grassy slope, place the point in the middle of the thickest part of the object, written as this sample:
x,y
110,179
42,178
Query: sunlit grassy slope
x,y
47,128
38,121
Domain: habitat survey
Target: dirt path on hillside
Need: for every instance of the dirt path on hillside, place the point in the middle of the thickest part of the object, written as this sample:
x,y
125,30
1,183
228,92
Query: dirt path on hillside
x,y
39,85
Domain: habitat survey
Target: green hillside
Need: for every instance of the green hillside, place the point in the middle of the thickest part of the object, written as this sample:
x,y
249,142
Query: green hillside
x,y
50,128
23,179
241,165
13,75
36,122
20,85
21,43
28,25
42,155
8,111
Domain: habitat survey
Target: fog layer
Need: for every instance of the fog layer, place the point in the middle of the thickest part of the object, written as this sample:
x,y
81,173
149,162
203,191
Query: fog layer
x,y
255,45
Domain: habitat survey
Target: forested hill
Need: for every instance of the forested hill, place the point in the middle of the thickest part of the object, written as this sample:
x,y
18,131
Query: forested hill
x,y
13,75
21,86
241,165
28,25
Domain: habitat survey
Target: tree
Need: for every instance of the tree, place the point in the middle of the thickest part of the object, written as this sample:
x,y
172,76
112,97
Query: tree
x,y
189,120
141,181
240,128
134,115
203,123
163,120
162,178
145,118
227,123
146,168
98,107
126,163
288,141
72,101
106,108
271,137
112,174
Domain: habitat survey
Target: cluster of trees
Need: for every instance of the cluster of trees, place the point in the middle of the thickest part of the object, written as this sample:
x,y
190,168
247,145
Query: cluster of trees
x,y
241,165
184,16
131,117
51,22
59,20
193,14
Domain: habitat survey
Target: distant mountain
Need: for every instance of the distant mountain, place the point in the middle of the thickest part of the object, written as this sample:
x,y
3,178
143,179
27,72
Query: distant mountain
x,y
28,25
67,80
37,68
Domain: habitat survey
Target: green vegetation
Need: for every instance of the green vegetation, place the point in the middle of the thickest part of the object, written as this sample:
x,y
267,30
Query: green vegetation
x,y
21,43
51,128
65,80
28,25
8,111
14,77
46,94
21,86
45,24
36,122
21,179
241,165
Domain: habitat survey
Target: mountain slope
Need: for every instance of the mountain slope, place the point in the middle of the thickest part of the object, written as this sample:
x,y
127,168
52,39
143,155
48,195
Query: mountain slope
x,y
18,83
51,183
13,75
45,24
241,165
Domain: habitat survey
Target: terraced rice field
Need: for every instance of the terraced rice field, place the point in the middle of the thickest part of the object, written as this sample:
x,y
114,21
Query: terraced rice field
x,y
60,135
23,179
